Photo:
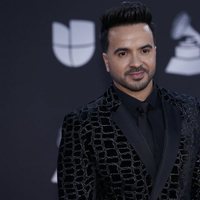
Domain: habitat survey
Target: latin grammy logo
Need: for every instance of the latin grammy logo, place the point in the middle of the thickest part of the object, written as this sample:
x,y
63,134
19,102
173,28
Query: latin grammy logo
x,y
187,54
73,46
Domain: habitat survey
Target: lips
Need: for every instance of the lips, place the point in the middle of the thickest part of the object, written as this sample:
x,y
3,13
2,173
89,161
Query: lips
x,y
137,75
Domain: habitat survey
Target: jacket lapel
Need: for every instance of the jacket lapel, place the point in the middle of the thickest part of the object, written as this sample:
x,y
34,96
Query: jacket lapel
x,y
171,145
128,126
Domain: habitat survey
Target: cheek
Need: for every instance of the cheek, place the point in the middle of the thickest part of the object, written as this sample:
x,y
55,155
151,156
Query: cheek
x,y
118,66
151,62
116,69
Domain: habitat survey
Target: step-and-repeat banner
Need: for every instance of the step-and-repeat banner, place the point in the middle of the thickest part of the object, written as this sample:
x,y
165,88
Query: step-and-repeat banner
x,y
51,63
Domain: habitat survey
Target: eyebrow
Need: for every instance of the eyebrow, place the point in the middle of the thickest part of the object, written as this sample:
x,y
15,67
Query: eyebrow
x,y
146,46
120,49
126,49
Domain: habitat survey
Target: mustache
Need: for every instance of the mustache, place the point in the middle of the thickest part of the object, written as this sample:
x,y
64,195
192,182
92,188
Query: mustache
x,y
135,69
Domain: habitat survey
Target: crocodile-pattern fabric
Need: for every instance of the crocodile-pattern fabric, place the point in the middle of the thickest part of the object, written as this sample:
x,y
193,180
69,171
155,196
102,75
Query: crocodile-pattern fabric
x,y
97,162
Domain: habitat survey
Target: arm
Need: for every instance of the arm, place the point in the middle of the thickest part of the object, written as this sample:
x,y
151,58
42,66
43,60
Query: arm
x,y
196,172
76,177
196,179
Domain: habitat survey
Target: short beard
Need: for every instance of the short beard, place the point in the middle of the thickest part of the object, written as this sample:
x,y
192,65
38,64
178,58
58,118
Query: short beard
x,y
137,86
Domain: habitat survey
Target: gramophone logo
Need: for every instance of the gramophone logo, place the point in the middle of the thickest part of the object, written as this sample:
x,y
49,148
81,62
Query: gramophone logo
x,y
74,46
187,54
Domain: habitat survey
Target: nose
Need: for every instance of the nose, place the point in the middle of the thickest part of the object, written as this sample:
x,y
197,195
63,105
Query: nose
x,y
135,60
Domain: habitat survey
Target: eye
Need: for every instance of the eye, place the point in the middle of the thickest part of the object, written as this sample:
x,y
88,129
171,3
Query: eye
x,y
122,53
145,51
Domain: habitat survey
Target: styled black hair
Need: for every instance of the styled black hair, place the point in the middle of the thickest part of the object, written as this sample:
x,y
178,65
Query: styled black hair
x,y
126,13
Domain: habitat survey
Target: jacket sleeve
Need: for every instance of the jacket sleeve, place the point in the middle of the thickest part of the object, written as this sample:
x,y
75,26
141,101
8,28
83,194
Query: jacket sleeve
x,y
196,179
196,172
76,177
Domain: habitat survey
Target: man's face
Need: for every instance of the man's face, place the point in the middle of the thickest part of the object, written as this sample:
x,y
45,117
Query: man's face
x,y
131,57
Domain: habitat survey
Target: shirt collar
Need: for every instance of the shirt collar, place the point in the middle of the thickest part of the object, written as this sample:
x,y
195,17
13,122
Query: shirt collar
x,y
133,103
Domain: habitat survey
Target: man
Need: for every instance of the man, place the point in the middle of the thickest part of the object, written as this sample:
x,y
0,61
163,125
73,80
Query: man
x,y
137,141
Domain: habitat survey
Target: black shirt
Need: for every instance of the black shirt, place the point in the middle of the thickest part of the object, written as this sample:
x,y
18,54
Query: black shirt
x,y
155,116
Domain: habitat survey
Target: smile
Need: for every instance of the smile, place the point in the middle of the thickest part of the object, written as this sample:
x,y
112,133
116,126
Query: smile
x,y
137,75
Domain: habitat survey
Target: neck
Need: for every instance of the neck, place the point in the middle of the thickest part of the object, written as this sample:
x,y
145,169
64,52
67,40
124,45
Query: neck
x,y
140,95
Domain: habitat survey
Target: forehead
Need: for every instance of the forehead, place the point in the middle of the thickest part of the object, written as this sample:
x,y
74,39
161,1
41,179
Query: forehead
x,y
137,34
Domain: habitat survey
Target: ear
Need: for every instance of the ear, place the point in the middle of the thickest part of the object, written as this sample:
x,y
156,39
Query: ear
x,y
105,58
155,50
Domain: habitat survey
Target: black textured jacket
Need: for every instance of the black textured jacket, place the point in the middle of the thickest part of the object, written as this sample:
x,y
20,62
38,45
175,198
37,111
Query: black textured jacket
x,y
99,160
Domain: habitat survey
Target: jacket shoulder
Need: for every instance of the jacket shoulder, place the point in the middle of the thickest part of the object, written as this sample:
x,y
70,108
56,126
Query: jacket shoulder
x,y
84,112
178,98
102,105
188,106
